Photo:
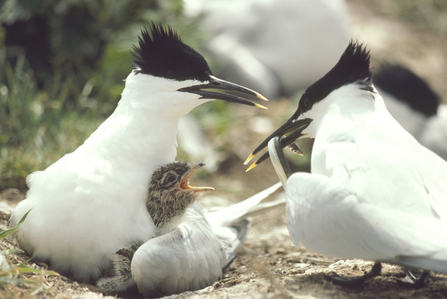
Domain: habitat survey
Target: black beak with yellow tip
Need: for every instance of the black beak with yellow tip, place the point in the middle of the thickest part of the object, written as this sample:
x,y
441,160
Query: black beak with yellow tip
x,y
218,89
296,127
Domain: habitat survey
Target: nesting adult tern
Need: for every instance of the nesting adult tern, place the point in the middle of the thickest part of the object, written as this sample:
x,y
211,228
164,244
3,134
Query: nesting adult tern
x,y
92,202
373,192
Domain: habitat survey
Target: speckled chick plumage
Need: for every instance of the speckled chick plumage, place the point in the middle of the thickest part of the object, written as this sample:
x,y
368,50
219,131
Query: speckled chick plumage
x,y
169,196
167,200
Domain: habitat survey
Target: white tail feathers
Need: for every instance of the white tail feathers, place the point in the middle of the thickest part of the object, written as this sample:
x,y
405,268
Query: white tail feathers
x,y
249,207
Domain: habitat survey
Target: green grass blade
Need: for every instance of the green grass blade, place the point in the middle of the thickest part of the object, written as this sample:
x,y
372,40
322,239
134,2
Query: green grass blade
x,y
32,270
7,232
24,263
10,251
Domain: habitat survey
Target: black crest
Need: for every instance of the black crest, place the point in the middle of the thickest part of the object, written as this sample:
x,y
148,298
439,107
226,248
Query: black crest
x,y
162,53
352,67
408,87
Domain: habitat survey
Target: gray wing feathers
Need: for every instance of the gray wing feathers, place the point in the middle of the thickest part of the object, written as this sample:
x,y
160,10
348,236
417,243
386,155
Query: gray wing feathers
x,y
188,258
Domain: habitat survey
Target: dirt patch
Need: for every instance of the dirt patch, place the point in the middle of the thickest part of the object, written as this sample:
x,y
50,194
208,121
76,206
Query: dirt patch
x,y
268,266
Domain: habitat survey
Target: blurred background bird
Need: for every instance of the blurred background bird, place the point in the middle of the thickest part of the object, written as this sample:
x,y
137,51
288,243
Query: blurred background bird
x,y
308,34
374,192
414,104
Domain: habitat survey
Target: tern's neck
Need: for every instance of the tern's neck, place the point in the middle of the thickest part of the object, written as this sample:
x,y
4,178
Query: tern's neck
x,y
344,111
168,209
135,136
349,117
141,132
166,222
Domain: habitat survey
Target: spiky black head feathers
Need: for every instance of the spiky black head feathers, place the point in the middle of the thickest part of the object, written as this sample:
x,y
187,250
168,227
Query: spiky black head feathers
x,y
161,53
352,67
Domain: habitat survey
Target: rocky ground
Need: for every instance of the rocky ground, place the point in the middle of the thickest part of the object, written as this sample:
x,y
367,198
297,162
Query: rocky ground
x,y
269,266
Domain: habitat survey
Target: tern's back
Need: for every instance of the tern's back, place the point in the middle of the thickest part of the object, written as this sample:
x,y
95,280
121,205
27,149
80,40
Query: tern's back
x,y
371,155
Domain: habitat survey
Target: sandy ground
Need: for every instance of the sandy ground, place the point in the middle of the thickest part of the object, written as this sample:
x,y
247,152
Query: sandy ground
x,y
269,265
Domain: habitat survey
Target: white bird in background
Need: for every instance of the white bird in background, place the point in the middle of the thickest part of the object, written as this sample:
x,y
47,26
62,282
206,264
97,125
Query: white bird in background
x,y
434,136
274,46
407,97
92,202
412,102
373,192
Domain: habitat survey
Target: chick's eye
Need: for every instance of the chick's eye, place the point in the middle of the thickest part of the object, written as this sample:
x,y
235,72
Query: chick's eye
x,y
170,178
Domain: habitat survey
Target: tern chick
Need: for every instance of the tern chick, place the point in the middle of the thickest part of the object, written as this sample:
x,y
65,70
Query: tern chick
x,y
168,199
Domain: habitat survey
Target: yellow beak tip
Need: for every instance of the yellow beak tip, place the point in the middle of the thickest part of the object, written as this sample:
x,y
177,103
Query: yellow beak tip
x,y
248,159
260,96
251,167
260,106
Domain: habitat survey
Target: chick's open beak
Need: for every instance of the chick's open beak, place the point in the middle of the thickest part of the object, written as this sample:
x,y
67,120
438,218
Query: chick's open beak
x,y
218,89
184,183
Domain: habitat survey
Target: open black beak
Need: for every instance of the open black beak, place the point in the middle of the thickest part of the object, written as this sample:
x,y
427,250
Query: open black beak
x,y
217,88
292,125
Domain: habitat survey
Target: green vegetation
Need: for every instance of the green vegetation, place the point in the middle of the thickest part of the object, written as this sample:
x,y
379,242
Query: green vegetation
x,y
10,273
55,92
31,119
62,67
425,14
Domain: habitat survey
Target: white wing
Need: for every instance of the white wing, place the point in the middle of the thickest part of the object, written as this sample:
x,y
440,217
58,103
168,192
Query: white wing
x,y
187,259
231,225
192,256
376,195
336,222
249,207
434,135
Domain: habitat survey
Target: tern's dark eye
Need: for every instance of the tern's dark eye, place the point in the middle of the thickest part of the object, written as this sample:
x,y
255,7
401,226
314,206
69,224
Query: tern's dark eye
x,y
171,74
307,103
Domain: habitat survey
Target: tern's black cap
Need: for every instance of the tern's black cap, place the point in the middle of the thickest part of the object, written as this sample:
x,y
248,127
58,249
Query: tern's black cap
x,y
161,53
352,67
